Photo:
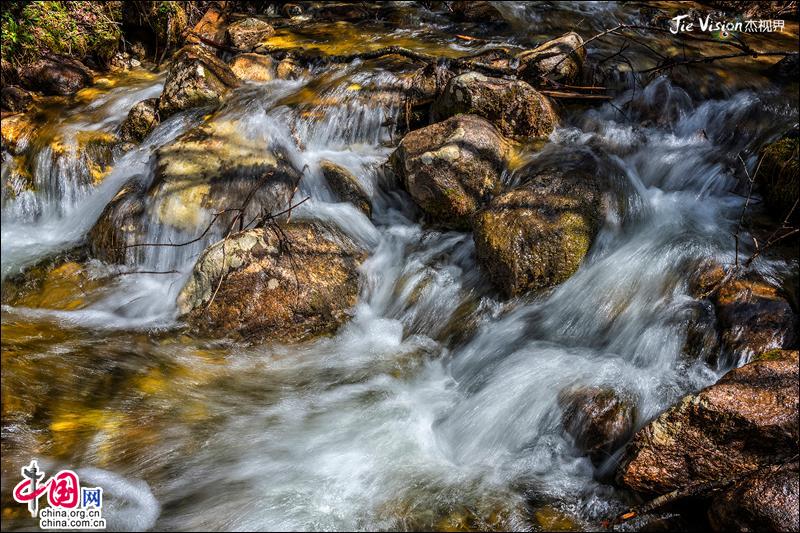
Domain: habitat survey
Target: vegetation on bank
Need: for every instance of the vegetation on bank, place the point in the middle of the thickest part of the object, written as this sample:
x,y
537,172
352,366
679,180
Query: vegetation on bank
x,y
81,29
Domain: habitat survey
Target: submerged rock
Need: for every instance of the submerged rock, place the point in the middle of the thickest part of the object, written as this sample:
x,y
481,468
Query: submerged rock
x,y
283,286
196,78
346,186
559,59
452,168
516,108
142,118
599,419
779,176
253,67
747,420
536,235
15,99
247,34
767,500
55,75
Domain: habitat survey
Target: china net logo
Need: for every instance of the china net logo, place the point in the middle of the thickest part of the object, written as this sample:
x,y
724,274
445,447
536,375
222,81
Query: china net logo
x,y
71,506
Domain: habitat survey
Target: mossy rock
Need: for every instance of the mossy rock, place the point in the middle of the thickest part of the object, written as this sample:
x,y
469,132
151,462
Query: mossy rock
x,y
452,168
536,235
263,284
513,106
779,177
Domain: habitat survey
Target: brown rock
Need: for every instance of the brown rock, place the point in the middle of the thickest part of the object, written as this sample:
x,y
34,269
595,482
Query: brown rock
x,y
599,419
55,75
747,420
753,317
211,26
472,11
346,186
142,118
516,108
779,176
253,67
15,99
452,168
767,500
196,78
288,69
247,34
559,59
286,290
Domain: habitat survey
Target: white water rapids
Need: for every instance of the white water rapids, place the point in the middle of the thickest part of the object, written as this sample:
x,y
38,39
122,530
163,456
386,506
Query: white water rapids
x,y
436,396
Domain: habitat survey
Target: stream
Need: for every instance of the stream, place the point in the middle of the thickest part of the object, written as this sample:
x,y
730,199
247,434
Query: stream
x,y
436,406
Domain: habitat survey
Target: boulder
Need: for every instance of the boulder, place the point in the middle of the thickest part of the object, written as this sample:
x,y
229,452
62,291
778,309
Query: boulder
x,y
516,108
195,78
745,421
253,67
288,69
559,59
767,500
346,186
536,235
285,286
599,419
472,11
452,168
753,317
55,75
119,225
206,170
247,34
15,99
779,176
212,26
142,118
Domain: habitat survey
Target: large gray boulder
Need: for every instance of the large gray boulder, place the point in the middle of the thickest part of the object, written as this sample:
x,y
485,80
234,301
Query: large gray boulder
x,y
516,108
452,168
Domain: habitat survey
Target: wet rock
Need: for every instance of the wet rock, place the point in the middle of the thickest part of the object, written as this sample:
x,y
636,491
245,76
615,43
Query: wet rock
x,y
15,99
288,69
536,235
516,108
119,225
209,169
212,26
599,419
767,500
253,67
747,420
196,78
470,11
779,176
291,10
214,167
452,168
16,133
55,75
142,118
559,59
346,186
284,287
247,34
754,317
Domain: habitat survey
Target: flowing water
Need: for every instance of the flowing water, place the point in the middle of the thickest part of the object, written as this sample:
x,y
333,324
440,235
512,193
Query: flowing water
x,y
436,405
